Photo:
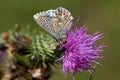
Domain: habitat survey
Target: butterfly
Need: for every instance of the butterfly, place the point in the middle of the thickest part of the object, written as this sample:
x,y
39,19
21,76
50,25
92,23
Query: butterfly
x,y
55,22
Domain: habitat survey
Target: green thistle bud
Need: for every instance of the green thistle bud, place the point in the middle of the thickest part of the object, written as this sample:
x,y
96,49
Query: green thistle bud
x,y
43,50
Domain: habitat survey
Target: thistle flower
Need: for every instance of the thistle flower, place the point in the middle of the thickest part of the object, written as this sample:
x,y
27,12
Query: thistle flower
x,y
80,51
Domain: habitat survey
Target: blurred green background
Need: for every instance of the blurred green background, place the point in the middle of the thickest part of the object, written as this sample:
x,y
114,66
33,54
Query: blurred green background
x,y
99,15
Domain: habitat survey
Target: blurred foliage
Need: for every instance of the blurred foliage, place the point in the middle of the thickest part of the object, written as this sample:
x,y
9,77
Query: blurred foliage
x,y
102,15
27,57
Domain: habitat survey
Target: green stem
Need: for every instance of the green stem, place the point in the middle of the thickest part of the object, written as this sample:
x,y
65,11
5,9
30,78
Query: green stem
x,y
91,77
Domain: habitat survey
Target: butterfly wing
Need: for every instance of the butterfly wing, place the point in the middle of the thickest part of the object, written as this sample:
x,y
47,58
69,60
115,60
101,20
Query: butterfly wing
x,y
45,20
62,21
55,22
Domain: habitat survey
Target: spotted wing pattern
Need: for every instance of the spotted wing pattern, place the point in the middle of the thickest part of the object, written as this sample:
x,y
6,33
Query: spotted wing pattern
x,y
54,22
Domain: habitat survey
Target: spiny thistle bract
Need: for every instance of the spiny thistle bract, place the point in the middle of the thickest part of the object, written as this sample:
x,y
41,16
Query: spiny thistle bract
x,y
80,50
43,47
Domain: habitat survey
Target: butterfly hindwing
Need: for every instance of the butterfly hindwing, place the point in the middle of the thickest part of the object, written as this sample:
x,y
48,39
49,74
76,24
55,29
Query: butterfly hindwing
x,y
63,19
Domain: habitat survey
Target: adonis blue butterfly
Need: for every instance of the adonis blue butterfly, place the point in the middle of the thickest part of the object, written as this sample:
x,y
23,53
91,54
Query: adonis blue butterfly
x,y
55,22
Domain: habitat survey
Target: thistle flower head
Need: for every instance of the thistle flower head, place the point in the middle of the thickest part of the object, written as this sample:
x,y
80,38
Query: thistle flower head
x,y
80,51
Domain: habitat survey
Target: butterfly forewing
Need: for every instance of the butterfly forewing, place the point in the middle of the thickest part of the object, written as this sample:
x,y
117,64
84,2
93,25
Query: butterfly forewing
x,y
45,22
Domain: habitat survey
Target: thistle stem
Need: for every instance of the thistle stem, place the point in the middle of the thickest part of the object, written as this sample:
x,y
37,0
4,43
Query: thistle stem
x,y
91,77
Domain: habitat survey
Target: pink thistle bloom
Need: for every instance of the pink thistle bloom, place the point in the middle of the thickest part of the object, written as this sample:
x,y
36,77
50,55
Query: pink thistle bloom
x,y
80,51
